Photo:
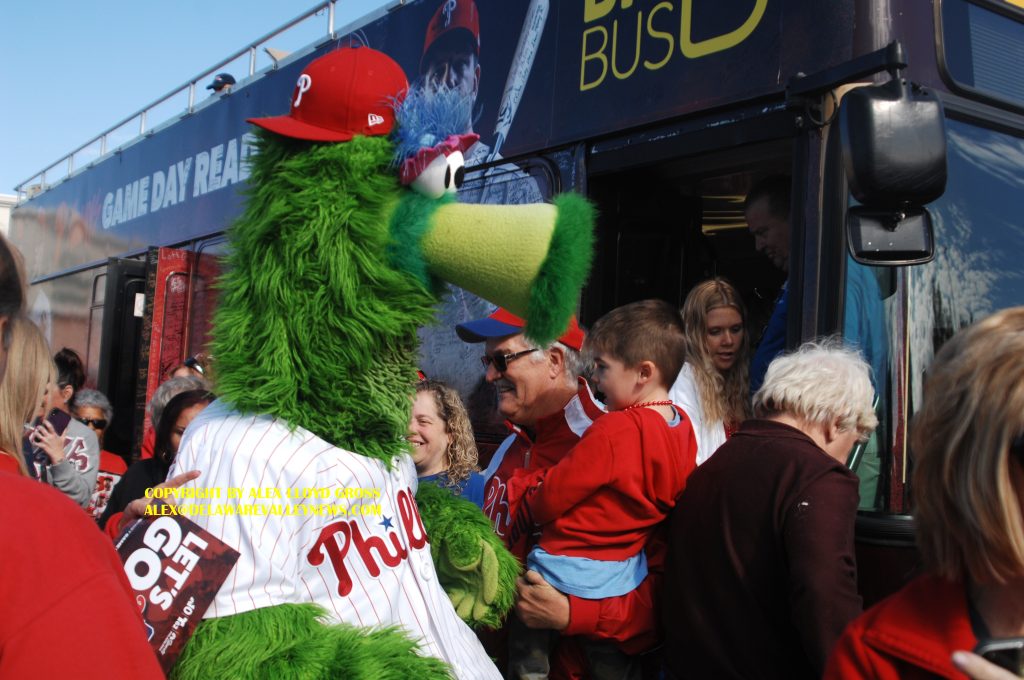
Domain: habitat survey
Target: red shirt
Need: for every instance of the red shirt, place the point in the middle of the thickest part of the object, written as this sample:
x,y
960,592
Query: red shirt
x,y
911,634
68,609
555,436
633,620
9,464
603,499
112,468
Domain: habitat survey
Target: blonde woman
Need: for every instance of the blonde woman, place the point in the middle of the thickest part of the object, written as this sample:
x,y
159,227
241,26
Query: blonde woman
x,y
968,446
713,387
443,447
23,395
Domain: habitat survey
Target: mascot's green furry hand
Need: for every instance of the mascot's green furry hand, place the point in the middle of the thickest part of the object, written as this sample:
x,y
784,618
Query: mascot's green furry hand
x,y
470,577
474,567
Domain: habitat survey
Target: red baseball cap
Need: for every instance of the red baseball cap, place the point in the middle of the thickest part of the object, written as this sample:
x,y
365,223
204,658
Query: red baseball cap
x,y
451,16
348,92
502,323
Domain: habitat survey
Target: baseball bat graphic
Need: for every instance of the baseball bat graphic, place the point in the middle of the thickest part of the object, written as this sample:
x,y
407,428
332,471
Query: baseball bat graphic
x,y
519,73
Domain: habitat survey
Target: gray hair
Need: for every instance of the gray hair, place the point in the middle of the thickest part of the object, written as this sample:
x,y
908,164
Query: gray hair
x,y
169,390
94,399
817,383
575,363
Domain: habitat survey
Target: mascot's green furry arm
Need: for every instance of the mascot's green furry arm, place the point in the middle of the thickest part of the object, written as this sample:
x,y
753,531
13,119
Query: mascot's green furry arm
x,y
472,563
333,267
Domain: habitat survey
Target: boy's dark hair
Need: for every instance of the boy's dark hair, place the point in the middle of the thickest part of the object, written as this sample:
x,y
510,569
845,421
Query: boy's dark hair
x,y
69,369
776,189
648,330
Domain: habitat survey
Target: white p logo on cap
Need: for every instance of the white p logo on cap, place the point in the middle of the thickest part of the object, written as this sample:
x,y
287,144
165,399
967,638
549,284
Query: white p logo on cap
x,y
305,82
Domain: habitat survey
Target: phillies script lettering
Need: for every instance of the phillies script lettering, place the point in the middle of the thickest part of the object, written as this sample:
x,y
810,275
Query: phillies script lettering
x,y
338,538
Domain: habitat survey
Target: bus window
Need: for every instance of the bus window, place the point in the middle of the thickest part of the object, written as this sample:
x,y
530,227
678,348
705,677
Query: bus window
x,y
62,309
868,303
976,271
509,184
979,238
981,47
92,348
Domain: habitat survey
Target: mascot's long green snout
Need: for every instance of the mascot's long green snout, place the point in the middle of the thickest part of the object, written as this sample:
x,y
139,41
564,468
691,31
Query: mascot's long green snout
x,y
332,268
529,259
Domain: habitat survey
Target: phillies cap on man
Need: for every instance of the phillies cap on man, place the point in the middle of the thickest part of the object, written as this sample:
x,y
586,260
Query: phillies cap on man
x,y
451,17
502,323
345,93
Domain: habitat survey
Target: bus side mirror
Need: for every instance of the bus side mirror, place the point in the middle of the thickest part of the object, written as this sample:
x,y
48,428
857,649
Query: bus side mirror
x,y
887,237
894,153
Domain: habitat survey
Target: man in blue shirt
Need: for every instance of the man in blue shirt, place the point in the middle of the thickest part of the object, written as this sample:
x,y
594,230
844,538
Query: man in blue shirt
x,y
767,211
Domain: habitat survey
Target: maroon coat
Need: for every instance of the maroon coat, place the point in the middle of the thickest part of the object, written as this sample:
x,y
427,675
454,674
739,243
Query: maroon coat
x,y
761,578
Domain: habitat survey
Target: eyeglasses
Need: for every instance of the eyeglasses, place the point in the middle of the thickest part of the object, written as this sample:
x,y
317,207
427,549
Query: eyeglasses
x,y
98,423
194,365
501,361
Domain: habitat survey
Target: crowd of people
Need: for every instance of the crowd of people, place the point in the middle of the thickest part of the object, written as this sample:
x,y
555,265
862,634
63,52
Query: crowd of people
x,y
682,528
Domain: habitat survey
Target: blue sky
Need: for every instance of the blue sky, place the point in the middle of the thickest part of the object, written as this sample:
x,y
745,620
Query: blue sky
x,y
73,69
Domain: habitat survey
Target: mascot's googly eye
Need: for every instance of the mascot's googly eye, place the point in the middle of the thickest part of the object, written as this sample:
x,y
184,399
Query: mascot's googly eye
x,y
456,171
442,175
437,169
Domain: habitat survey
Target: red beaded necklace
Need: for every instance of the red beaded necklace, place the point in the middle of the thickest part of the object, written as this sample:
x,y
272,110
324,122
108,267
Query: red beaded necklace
x,y
664,402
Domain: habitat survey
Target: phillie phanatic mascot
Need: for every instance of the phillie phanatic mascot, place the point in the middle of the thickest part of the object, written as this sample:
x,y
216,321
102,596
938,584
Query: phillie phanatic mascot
x,y
349,233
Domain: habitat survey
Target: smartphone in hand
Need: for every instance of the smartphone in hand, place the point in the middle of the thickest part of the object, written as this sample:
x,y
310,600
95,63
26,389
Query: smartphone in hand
x,y
1006,653
59,419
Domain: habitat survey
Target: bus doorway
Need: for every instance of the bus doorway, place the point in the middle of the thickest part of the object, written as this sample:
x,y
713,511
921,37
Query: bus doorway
x,y
124,299
664,227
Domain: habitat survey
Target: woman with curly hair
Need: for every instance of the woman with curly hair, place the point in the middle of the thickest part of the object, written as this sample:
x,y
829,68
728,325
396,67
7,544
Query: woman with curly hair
x,y
443,447
713,387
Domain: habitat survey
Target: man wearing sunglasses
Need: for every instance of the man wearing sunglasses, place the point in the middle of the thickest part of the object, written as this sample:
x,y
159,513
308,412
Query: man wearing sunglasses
x,y
547,404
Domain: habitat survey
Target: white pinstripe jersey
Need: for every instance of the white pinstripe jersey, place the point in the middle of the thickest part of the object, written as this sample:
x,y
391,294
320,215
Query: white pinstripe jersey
x,y
364,569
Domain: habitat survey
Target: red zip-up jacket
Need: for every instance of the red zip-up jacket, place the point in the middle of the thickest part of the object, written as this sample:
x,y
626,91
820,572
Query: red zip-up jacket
x,y
911,634
603,500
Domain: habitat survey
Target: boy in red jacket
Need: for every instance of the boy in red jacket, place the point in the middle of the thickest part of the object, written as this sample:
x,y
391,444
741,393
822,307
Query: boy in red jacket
x,y
599,505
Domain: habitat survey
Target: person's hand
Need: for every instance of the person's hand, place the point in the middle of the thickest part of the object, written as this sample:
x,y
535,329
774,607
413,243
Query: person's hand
x,y
46,439
137,508
539,605
977,668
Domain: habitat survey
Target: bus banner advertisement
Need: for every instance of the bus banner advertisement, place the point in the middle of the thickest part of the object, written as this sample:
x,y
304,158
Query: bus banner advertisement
x,y
532,69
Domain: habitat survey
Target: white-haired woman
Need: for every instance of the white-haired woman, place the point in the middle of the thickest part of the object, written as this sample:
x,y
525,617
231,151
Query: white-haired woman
x,y
968,446
761,578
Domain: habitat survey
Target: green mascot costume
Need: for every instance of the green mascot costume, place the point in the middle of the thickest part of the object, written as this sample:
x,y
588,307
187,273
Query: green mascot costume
x,y
333,267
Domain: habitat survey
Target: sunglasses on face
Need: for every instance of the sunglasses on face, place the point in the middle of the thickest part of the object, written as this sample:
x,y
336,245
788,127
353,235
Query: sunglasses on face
x,y
97,423
501,361
194,365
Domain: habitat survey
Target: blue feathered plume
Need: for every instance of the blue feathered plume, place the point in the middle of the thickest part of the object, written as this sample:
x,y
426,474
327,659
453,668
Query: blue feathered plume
x,y
427,116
